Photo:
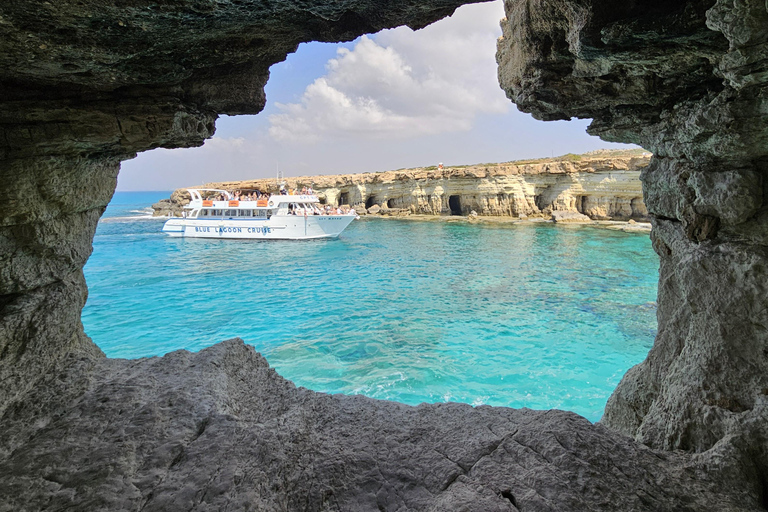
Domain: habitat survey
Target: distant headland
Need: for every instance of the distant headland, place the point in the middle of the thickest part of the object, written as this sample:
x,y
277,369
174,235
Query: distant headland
x,y
599,185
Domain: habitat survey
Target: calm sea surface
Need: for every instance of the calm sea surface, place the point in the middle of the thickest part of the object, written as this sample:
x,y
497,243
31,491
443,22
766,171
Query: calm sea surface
x,y
530,315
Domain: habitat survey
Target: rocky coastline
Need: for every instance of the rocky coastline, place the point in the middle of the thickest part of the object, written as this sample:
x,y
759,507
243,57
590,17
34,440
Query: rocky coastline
x,y
601,185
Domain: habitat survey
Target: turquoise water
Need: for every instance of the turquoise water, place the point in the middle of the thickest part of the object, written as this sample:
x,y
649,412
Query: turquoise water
x,y
526,315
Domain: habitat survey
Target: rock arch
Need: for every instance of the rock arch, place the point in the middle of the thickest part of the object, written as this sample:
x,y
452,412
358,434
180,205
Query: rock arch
x,y
86,85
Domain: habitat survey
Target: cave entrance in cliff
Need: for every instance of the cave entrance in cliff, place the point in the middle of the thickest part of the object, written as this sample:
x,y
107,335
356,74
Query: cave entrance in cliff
x,y
454,203
370,201
343,198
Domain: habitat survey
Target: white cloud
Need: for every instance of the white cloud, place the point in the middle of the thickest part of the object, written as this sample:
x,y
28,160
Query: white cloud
x,y
400,83
223,143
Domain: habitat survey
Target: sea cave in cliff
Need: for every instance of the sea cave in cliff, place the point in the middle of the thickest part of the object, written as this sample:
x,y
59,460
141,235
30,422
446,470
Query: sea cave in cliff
x,y
88,84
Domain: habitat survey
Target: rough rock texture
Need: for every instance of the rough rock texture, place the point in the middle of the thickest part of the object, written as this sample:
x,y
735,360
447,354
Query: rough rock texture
x,y
686,80
87,83
220,430
569,217
604,185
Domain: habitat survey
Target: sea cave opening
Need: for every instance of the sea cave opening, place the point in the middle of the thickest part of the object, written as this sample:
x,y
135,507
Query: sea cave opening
x,y
393,249
454,203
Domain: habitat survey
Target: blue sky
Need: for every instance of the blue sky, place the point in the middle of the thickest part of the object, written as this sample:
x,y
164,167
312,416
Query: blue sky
x,y
395,99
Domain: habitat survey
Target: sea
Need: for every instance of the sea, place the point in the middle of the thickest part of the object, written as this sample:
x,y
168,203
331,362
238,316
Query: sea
x,y
530,315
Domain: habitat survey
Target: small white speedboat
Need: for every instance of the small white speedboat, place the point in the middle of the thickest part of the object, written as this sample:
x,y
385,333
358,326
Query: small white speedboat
x,y
278,217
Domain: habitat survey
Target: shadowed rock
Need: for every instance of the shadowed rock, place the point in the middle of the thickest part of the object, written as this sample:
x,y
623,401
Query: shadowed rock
x,y
683,80
221,430
86,84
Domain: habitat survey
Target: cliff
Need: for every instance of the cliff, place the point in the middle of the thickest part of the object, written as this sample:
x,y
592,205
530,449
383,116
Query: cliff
x,y
88,83
604,185
632,68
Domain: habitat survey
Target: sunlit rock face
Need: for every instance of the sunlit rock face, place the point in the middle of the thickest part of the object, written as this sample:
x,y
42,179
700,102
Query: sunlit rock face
x,y
687,81
604,185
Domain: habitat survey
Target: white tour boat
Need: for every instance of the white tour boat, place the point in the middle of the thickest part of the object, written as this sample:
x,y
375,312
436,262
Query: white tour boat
x,y
279,217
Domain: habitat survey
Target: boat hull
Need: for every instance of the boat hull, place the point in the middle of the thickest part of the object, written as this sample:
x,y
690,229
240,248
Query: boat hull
x,y
278,227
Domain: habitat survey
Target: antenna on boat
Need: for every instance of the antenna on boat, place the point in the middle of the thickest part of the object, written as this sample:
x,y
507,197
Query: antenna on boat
x,y
280,181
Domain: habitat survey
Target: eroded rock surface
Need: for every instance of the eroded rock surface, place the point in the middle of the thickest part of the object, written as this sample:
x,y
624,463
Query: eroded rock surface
x,y
220,430
687,81
85,84
603,185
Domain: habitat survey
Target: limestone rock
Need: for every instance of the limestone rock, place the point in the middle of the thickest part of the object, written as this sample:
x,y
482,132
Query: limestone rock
x,y
603,185
166,208
631,68
569,217
88,84
221,430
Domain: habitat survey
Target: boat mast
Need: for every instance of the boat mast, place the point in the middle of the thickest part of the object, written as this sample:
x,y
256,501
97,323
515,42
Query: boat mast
x,y
279,180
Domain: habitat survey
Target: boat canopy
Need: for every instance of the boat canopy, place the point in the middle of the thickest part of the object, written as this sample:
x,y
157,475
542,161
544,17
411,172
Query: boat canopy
x,y
274,201
195,194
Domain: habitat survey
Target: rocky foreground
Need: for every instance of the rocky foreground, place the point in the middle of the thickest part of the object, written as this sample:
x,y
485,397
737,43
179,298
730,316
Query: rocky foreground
x,y
601,185
220,430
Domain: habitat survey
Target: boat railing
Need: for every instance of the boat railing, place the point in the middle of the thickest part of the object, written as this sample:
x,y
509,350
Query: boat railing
x,y
195,193
273,201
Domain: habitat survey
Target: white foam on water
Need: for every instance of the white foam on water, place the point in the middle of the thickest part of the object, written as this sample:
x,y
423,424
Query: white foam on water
x,y
131,218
